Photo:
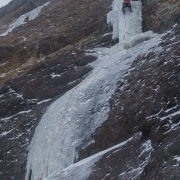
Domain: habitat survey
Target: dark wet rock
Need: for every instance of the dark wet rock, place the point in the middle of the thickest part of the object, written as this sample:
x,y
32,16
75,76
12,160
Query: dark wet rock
x,y
147,101
160,15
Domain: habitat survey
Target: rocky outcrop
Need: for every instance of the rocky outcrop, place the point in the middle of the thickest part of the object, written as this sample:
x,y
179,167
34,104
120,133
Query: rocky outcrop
x,y
15,9
160,15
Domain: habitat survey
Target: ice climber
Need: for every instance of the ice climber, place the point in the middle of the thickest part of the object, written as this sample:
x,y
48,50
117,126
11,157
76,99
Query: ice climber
x,y
127,4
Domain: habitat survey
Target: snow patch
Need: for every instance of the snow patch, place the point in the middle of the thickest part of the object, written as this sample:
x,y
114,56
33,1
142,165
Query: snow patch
x,y
5,133
3,64
2,75
147,146
177,158
43,101
21,20
53,75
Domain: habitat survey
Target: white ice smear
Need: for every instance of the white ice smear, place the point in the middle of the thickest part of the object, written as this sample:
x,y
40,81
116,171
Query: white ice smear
x,y
21,20
70,121
170,115
177,158
53,75
5,133
46,100
84,165
22,112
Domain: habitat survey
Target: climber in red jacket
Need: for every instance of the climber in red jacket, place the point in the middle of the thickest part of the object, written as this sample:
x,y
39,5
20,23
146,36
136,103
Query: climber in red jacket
x,y
127,4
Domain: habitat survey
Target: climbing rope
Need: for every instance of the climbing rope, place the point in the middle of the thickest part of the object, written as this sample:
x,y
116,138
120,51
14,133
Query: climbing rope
x,y
66,107
95,75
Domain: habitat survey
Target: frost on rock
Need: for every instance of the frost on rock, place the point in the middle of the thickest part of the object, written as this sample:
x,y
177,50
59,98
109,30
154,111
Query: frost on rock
x,y
134,170
21,20
177,158
70,121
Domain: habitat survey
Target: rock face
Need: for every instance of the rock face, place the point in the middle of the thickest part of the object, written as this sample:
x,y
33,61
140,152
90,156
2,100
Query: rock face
x,y
42,59
147,102
15,9
160,15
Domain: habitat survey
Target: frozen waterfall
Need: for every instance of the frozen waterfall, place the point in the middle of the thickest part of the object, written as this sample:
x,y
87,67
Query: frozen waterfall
x,y
126,25
69,121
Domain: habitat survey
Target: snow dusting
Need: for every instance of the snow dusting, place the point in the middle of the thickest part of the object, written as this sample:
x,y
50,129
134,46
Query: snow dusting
x,y
133,171
70,121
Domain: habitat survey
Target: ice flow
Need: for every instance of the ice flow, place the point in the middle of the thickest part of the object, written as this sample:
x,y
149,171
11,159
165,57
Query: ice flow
x,y
70,121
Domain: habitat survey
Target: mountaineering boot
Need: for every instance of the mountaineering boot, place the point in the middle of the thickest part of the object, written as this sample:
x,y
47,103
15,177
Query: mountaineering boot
x,y
123,10
130,9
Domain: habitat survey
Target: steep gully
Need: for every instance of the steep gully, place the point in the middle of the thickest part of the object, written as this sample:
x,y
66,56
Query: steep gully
x,y
66,127
119,124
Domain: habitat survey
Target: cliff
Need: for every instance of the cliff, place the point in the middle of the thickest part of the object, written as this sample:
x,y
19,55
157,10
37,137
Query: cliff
x,y
44,58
